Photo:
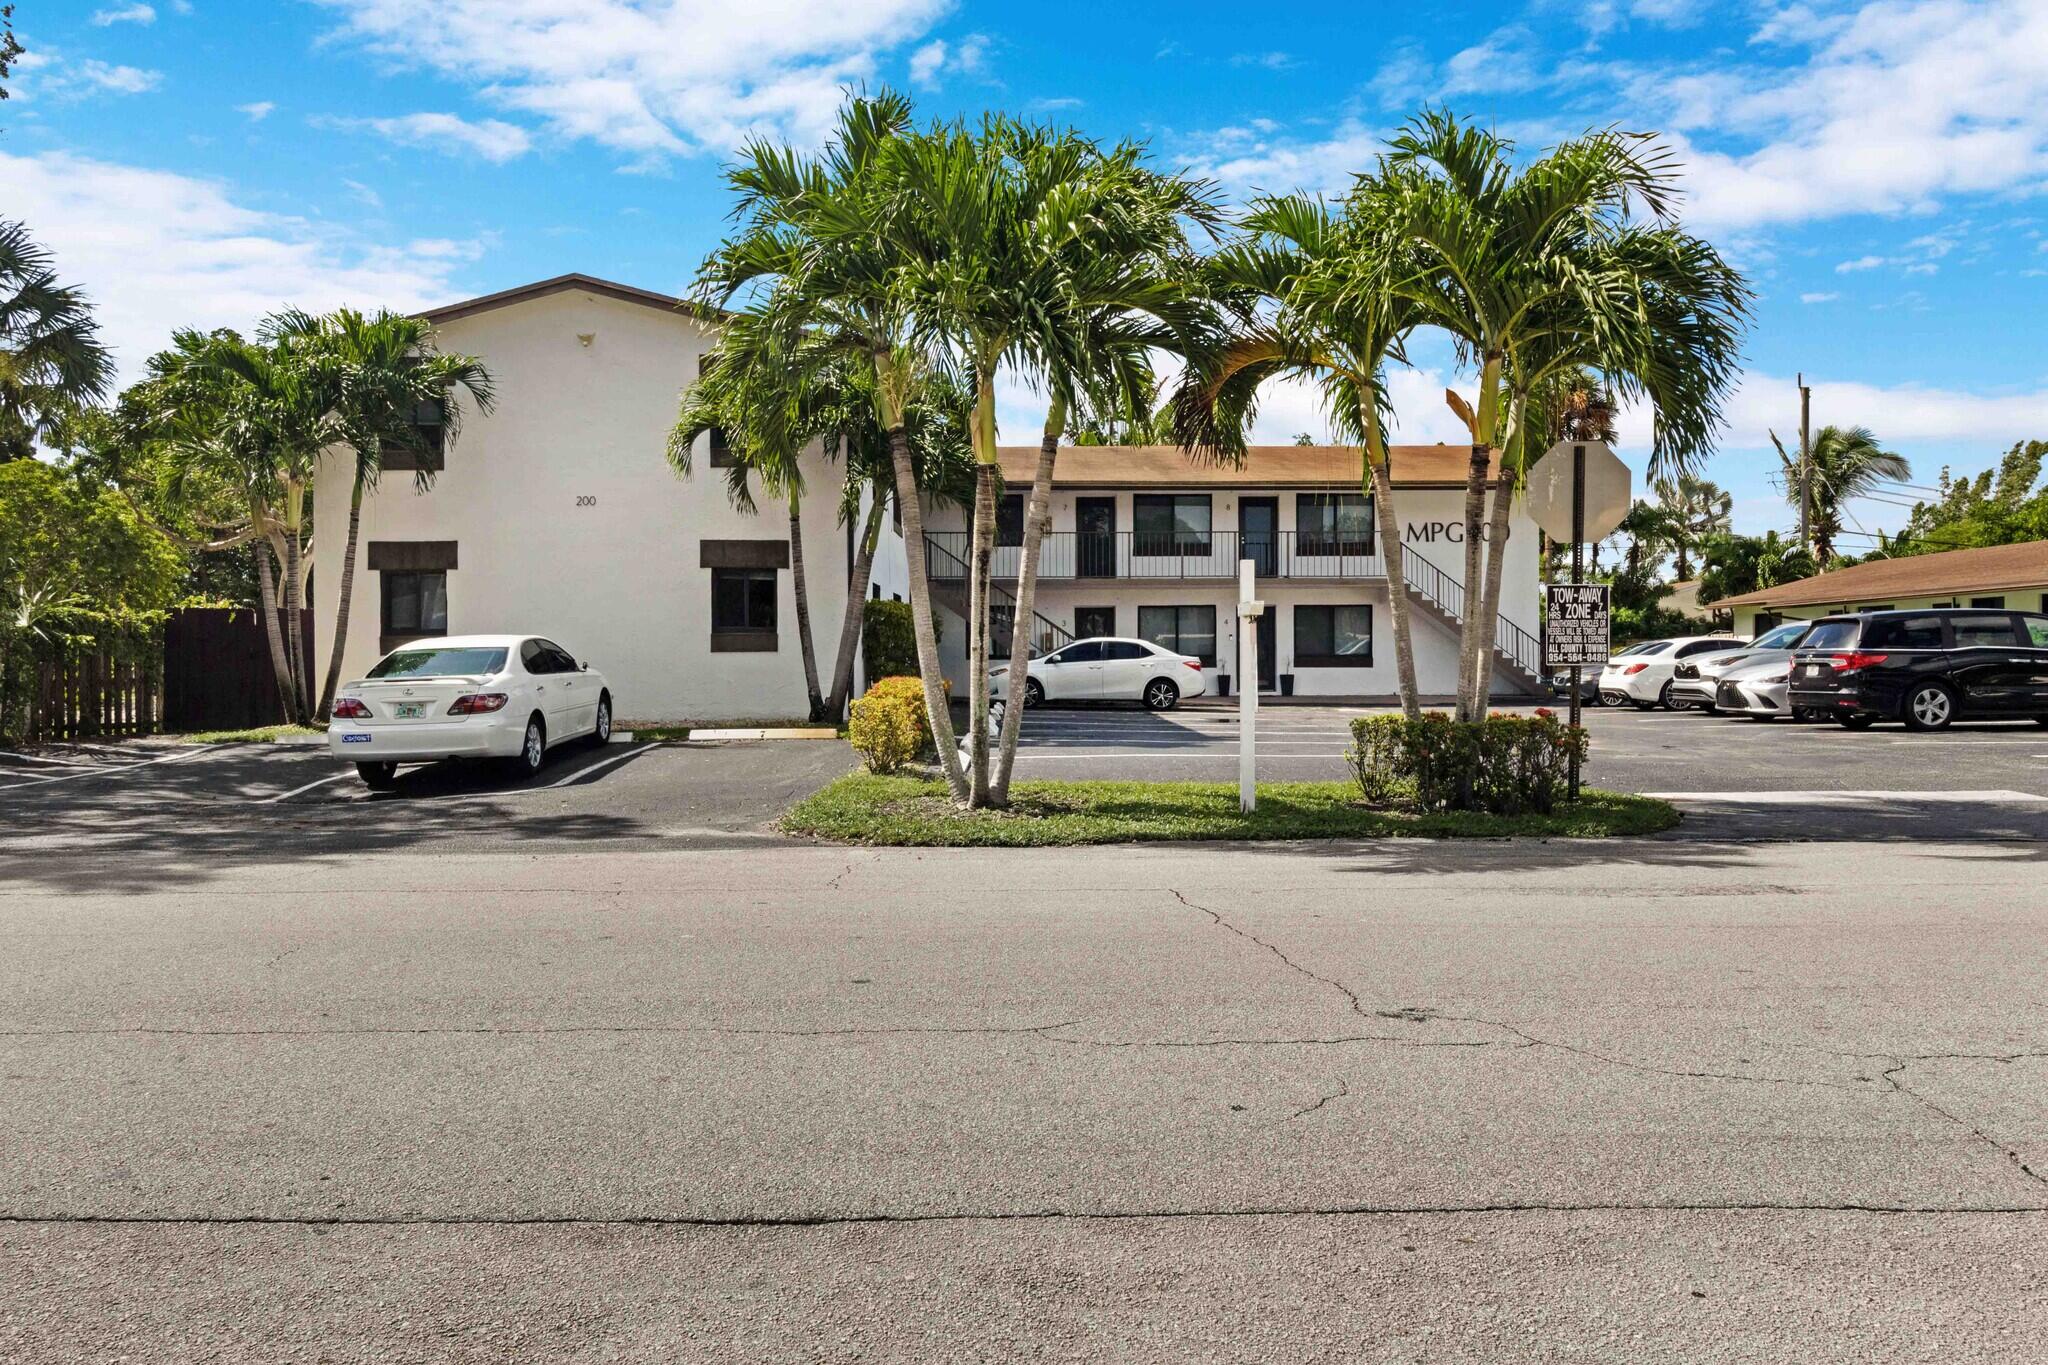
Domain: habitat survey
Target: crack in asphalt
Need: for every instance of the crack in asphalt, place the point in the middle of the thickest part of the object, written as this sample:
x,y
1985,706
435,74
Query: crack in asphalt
x,y
1339,1093
1891,1077
1006,1216
1421,1015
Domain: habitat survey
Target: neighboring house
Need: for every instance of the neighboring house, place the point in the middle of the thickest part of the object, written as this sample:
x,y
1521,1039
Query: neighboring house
x,y
557,514
1143,542
2014,577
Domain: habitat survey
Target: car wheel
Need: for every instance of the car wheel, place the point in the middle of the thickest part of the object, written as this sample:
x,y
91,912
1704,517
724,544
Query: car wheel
x,y
1034,693
601,733
1856,722
533,750
378,777
1930,706
1612,699
1664,697
1161,695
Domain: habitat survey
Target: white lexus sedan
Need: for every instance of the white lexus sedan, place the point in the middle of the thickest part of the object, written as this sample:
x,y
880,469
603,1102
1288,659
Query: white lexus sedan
x,y
1107,670
1643,673
504,697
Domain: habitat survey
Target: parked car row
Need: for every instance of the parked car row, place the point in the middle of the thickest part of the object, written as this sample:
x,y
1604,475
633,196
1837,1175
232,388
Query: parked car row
x,y
1926,669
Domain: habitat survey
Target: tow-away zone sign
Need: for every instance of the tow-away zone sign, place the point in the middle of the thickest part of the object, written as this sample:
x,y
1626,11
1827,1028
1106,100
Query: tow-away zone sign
x,y
1576,626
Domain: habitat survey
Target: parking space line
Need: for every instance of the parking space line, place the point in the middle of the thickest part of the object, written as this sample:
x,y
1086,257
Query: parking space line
x,y
1848,798
602,764
108,772
284,796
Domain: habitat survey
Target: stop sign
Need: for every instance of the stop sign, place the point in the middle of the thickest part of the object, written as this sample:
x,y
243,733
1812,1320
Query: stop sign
x,y
1609,486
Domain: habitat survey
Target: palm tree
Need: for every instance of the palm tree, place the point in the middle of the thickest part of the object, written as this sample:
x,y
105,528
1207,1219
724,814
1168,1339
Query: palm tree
x,y
1695,509
1845,463
1310,284
1541,269
385,388
51,359
822,247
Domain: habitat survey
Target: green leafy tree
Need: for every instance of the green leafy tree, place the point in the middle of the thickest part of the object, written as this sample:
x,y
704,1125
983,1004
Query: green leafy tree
x,y
1731,565
51,359
1844,463
10,47
1694,509
1998,507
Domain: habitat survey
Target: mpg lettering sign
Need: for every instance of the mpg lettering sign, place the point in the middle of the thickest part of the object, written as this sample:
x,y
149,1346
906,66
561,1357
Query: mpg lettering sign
x,y
1576,625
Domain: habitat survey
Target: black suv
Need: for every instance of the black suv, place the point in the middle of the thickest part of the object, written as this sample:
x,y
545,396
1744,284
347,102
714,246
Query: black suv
x,y
1926,668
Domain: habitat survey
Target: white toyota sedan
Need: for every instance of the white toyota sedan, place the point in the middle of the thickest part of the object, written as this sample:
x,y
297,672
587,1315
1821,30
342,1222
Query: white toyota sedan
x,y
504,697
1108,670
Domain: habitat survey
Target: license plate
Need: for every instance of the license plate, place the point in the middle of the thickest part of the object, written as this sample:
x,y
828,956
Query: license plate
x,y
409,710
355,739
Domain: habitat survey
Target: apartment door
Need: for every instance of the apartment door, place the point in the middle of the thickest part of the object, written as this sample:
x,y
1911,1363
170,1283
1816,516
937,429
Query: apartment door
x,y
1095,534
1269,649
1258,533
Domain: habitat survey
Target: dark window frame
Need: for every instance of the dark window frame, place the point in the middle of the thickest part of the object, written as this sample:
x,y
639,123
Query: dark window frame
x,y
1009,521
418,628
1333,659
1181,631
750,633
1317,529
1173,541
1995,602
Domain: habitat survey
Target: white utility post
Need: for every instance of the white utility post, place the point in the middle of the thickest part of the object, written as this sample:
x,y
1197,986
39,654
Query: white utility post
x,y
1249,609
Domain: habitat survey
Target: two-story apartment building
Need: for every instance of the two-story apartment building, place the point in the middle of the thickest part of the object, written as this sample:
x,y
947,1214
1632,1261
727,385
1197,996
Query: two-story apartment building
x,y
557,514
1145,543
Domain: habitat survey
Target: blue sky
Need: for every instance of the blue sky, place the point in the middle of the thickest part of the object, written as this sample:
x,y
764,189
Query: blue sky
x,y
1878,168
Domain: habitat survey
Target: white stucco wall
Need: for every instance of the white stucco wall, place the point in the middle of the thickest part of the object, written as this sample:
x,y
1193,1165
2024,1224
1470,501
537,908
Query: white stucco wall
x,y
618,580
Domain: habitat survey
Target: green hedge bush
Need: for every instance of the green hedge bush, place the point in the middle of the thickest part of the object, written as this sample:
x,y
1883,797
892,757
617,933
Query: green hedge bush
x,y
888,639
1504,765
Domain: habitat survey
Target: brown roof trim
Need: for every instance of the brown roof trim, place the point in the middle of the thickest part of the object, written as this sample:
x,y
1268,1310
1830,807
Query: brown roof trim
x,y
590,284
1286,466
1987,568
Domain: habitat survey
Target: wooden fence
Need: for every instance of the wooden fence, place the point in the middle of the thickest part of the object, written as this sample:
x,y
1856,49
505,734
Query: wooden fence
x,y
97,695
217,671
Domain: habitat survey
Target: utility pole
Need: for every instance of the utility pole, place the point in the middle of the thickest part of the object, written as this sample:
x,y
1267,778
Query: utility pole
x,y
1805,463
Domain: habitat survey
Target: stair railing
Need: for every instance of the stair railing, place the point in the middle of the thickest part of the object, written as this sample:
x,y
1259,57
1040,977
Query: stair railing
x,y
1447,594
942,565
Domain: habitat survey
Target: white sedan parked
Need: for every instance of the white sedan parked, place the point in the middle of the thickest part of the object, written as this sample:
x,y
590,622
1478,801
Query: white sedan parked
x,y
1642,673
1108,670
472,696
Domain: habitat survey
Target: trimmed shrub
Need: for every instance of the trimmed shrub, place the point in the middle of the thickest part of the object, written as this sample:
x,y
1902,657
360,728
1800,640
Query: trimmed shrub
x,y
1504,765
888,727
888,639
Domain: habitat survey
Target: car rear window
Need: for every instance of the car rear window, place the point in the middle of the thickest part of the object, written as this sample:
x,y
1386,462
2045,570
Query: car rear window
x,y
1904,632
1832,635
431,663
1984,630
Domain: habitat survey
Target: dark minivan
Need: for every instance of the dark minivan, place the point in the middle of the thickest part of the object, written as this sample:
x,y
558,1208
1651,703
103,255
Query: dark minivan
x,y
1926,668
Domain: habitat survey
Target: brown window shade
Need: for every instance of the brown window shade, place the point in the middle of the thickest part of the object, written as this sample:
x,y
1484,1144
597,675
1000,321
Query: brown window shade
x,y
413,554
743,554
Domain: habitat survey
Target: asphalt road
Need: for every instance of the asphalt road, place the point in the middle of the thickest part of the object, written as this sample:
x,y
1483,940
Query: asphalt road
x,y
1670,1100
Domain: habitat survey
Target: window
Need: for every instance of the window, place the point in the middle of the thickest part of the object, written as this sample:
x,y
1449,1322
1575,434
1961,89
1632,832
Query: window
x,y
415,602
1991,603
1833,635
1171,524
1184,630
1901,632
1876,606
431,663
743,610
1332,524
1092,621
1784,637
1701,647
1086,652
1120,650
1010,519
1002,621
2037,629
721,449
545,656
1980,631
1333,637
427,448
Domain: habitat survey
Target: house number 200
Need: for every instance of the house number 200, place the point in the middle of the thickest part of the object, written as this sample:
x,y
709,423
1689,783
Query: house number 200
x,y
586,500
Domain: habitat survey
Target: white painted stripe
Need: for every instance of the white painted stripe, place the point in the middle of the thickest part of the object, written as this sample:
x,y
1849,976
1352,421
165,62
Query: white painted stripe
x,y
602,764
48,762
108,772
285,796
1858,798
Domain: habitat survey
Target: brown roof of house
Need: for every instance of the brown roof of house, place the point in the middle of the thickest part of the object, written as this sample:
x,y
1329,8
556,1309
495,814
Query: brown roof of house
x,y
1953,571
590,284
1264,467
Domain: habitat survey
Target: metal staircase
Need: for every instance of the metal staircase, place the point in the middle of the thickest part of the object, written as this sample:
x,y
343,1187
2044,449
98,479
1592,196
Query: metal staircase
x,y
1435,594
946,574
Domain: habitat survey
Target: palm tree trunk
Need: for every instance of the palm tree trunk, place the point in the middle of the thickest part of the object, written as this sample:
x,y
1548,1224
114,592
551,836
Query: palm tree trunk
x,y
1475,514
1489,611
294,602
266,603
981,576
341,609
1036,513
921,610
856,608
800,583
1397,578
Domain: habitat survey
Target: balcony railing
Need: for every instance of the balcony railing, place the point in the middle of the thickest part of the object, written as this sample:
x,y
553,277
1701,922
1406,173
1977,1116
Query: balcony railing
x,y
1070,555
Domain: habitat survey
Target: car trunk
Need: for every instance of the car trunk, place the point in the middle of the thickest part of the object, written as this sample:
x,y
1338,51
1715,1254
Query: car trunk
x,y
410,701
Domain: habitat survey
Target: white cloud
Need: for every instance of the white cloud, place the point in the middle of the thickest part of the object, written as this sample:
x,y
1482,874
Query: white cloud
x,y
937,59
1860,263
124,14
651,78
1818,298
928,61
492,139
1506,61
156,250
1270,61
46,74
1904,415
257,112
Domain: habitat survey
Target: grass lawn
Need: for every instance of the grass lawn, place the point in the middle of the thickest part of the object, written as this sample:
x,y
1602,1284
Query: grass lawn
x,y
865,809
262,734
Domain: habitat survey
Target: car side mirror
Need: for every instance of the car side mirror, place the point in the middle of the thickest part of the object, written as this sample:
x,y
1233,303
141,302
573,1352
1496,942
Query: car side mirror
x,y
583,667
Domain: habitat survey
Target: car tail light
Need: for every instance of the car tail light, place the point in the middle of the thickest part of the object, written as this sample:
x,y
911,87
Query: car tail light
x,y
1195,664
348,708
1855,659
1633,669
474,703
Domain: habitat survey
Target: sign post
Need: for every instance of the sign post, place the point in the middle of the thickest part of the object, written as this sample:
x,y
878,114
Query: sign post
x,y
1578,489
1249,609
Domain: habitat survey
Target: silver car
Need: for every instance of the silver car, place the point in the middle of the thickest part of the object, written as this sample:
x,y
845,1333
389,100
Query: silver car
x,y
1696,682
1759,689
